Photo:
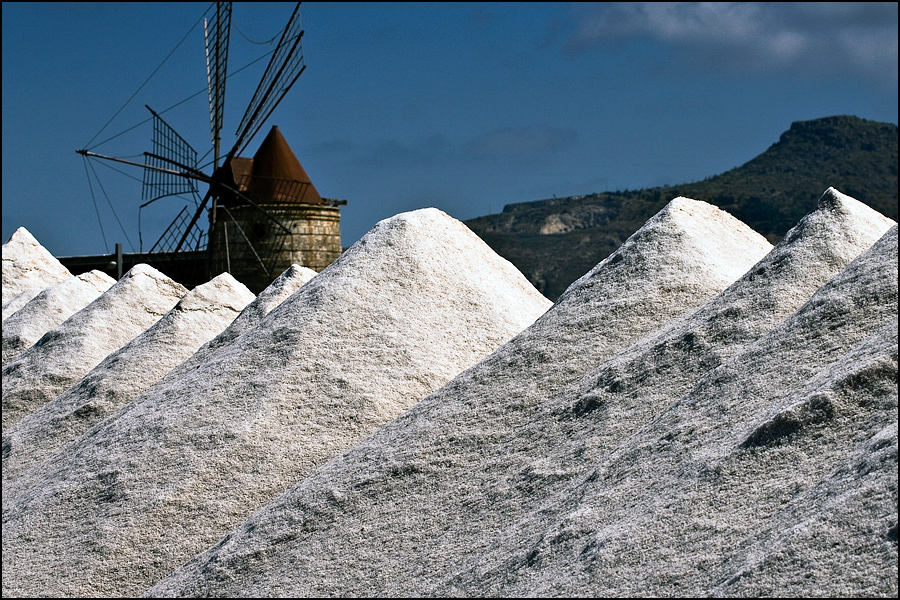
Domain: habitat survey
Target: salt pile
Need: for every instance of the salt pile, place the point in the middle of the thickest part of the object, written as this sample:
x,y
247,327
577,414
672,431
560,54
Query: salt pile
x,y
414,302
775,475
49,308
66,353
387,519
632,387
201,314
293,278
27,264
24,297
41,433
389,484
855,503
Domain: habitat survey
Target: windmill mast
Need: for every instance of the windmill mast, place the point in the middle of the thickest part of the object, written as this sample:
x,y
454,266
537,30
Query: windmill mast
x,y
264,212
217,41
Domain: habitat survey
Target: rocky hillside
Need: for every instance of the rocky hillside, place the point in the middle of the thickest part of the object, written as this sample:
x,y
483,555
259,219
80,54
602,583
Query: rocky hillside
x,y
554,242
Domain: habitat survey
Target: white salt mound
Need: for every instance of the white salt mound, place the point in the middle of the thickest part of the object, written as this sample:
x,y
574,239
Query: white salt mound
x,y
201,314
844,523
291,280
495,470
715,496
414,302
50,308
631,388
419,484
69,351
41,433
311,536
9,308
27,264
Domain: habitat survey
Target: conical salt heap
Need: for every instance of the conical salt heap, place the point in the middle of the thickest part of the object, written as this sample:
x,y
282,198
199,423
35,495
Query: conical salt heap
x,y
201,314
686,254
24,297
27,264
66,353
291,280
50,308
41,433
632,387
775,475
498,469
415,301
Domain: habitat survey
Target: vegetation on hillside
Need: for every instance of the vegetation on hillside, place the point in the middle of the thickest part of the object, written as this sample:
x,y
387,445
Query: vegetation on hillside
x,y
554,242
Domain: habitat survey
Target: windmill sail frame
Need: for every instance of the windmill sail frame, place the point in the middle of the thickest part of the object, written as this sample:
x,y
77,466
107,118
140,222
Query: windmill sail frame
x,y
169,148
172,168
217,43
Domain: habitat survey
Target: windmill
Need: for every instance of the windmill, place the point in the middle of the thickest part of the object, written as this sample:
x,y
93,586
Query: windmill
x,y
264,212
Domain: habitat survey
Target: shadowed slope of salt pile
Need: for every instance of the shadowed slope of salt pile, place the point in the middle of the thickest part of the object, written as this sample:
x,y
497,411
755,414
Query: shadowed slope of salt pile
x,y
69,351
291,280
414,302
44,424
27,264
201,314
421,485
632,387
844,526
683,506
9,308
50,308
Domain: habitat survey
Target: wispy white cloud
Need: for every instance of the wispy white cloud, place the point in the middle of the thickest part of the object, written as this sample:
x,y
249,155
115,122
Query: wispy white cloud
x,y
816,37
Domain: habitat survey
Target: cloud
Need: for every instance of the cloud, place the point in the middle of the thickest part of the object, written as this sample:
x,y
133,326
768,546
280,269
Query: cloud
x,y
822,38
521,143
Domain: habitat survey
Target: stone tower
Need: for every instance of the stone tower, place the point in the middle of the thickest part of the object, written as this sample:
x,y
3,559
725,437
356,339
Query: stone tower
x,y
277,218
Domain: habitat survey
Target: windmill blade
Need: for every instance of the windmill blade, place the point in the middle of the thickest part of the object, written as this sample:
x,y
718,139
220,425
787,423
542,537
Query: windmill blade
x,y
283,70
169,148
171,239
218,34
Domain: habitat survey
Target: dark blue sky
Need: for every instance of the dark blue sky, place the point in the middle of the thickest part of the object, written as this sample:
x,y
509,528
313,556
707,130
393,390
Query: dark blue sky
x,y
465,107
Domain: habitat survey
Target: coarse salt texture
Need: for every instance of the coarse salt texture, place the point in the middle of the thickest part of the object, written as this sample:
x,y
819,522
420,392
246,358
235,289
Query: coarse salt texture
x,y
413,303
49,308
291,280
23,298
419,484
27,264
69,351
774,475
199,316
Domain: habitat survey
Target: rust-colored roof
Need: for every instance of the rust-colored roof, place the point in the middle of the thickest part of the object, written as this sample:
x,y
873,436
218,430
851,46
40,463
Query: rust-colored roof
x,y
277,174
241,172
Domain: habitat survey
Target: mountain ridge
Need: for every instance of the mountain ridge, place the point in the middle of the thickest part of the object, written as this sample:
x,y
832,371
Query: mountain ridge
x,y
555,241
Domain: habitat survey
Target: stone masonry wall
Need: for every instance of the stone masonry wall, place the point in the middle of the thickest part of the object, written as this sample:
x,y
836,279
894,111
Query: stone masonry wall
x,y
315,241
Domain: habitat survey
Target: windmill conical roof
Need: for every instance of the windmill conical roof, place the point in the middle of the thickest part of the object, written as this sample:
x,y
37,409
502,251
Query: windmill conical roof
x,y
278,175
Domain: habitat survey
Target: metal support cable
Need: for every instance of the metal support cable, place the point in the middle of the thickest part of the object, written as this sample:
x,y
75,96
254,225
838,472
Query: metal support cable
x,y
94,199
